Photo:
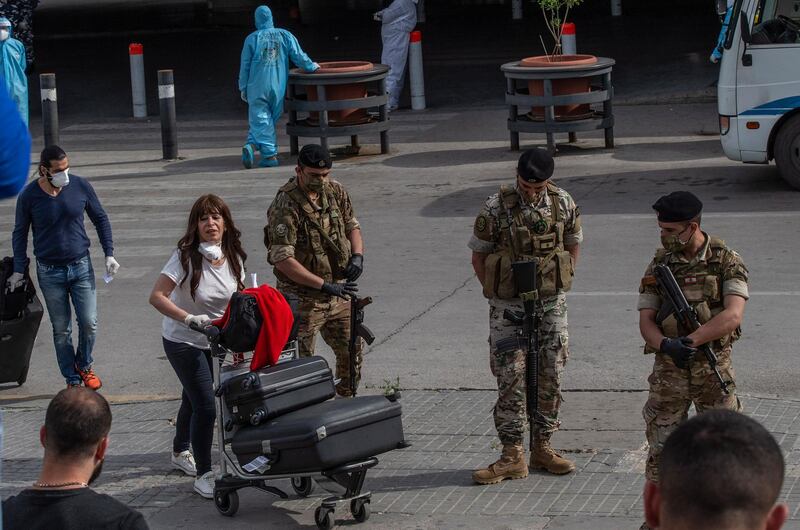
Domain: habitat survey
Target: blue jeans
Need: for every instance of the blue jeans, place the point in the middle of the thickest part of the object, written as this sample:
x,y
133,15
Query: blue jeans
x,y
58,284
198,410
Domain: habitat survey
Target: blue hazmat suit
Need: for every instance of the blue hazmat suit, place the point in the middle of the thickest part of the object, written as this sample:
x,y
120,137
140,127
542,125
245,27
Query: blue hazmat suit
x,y
15,148
716,54
398,20
12,68
262,78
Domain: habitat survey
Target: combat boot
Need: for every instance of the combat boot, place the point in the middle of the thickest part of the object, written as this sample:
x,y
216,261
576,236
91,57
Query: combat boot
x,y
543,457
510,465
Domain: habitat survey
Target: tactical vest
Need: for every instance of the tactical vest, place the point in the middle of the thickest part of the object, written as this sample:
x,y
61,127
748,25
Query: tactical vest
x,y
701,284
322,246
530,237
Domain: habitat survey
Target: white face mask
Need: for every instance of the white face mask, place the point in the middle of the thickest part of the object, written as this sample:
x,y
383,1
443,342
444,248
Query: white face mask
x,y
60,179
4,34
212,251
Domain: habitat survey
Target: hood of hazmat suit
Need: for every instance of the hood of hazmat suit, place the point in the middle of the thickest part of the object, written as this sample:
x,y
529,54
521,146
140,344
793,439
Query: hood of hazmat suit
x,y
263,74
12,68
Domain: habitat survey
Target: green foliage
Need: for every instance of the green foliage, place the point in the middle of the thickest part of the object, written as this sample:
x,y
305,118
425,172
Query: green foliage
x,y
555,13
390,387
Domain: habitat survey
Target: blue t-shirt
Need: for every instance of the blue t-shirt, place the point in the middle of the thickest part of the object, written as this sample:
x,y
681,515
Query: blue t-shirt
x,y
59,237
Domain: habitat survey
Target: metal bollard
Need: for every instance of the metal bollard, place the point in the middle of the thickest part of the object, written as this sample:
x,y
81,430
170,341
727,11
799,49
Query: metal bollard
x,y
47,84
568,44
415,71
616,8
166,104
516,9
138,87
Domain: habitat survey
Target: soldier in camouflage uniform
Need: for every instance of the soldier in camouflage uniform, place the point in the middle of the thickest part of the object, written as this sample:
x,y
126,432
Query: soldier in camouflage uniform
x,y
314,242
20,13
535,220
714,280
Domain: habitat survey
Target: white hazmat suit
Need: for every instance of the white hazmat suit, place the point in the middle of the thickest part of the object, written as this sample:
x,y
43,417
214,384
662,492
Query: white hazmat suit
x,y
398,20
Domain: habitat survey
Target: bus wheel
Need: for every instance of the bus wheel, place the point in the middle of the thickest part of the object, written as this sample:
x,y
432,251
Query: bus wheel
x,y
787,151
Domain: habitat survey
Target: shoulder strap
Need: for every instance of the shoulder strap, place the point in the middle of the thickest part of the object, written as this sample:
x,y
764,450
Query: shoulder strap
x,y
298,200
555,209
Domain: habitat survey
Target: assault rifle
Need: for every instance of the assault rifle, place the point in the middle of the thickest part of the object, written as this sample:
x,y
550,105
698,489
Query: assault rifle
x,y
357,330
685,315
528,339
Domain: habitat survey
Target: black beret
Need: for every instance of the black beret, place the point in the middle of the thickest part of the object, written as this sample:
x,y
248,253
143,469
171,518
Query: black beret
x,y
313,155
535,165
678,206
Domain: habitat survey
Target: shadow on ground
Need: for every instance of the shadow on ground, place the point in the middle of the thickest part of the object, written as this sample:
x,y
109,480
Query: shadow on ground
x,y
737,188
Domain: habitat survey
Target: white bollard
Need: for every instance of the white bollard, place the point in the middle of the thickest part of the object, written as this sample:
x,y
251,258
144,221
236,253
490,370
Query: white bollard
x,y
568,44
516,9
616,8
415,72
136,53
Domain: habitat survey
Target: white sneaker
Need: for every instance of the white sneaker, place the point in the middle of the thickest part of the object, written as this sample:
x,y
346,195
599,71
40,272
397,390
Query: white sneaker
x,y
185,462
204,485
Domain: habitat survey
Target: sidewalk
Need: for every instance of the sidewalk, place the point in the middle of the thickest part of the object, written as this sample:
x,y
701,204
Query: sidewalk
x,y
425,486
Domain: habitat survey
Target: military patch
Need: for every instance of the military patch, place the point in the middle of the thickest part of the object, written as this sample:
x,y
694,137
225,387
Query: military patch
x,y
540,226
480,224
321,163
281,230
690,280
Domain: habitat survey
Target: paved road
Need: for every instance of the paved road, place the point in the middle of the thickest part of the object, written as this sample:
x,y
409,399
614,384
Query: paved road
x,y
417,205
426,486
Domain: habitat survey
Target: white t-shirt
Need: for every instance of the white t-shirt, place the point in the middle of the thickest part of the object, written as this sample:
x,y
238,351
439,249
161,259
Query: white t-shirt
x,y
217,285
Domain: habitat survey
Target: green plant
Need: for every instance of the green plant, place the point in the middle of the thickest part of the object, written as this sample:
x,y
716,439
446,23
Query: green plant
x,y
555,13
390,387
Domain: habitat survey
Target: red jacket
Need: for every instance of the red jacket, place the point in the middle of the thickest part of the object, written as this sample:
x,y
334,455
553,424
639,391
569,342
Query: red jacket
x,y
275,329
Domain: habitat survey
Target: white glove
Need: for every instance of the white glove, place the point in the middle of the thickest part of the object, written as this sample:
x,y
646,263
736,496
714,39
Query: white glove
x,y
315,67
112,266
198,320
15,281
243,95
378,17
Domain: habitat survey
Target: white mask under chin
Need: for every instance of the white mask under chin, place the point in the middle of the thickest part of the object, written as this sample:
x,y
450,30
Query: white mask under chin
x,y
4,34
210,250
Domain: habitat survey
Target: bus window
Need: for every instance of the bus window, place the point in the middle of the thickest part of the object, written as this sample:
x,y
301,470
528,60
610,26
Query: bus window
x,y
778,23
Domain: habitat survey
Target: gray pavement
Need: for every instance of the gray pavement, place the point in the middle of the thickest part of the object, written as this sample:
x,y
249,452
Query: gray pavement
x,y
425,486
417,206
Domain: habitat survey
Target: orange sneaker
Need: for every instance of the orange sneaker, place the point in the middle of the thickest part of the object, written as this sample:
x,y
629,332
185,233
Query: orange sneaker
x,y
91,381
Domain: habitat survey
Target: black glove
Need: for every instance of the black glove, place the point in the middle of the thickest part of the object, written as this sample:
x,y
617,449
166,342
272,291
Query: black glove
x,y
680,350
354,267
345,290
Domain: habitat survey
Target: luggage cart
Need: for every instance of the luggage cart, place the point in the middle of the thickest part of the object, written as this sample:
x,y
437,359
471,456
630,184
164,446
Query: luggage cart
x,y
233,477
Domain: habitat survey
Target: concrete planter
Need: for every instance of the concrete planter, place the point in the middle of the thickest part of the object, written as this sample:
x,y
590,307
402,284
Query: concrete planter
x,y
561,87
342,92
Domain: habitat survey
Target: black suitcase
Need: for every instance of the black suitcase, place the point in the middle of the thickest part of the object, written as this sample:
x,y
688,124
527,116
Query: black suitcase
x,y
16,342
255,397
321,437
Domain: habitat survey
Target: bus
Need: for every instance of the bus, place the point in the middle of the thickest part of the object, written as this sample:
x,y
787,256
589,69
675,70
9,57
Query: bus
x,y
758,93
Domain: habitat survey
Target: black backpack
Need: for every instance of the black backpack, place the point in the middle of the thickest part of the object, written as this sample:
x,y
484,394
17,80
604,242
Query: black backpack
x,y
13,303
240,332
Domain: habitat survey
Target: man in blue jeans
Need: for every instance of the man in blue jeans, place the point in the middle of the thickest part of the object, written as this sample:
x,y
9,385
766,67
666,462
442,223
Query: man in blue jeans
x,y
53,205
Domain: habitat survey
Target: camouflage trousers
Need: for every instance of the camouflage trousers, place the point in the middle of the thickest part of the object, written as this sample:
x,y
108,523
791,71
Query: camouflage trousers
x,y
673,390
510,414
330,316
